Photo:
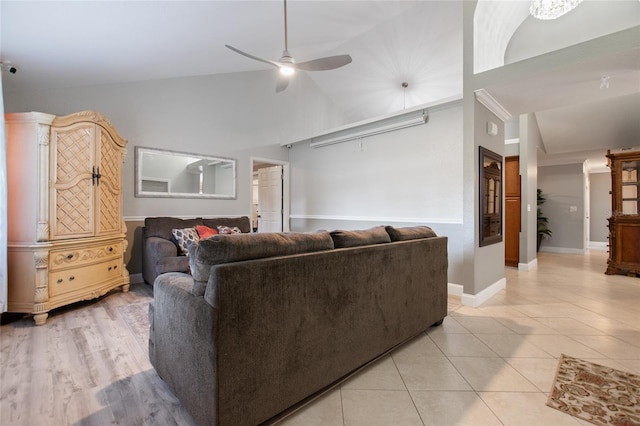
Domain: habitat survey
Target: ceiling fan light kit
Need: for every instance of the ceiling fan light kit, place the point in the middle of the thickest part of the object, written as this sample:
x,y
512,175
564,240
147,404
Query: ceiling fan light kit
x,y
287,65
287,71
552,9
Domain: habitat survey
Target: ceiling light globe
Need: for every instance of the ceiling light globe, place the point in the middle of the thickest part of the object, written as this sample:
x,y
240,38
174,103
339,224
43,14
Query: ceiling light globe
x,y
286,70
551,9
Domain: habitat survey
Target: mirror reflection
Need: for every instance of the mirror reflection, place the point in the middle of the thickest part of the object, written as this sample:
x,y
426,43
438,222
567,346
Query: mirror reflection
x,y
172,174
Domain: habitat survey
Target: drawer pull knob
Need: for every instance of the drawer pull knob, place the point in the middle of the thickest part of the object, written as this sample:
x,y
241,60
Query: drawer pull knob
x,y
71,278
70,256
59,280
110,268
110,248
115,267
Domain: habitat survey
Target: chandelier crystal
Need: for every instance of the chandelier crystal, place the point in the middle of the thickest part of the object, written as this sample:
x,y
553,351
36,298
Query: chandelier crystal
x,y
551,9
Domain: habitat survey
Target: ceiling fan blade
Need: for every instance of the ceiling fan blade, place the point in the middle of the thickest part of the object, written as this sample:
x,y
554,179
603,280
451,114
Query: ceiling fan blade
x,y
266,61
282,83
325,64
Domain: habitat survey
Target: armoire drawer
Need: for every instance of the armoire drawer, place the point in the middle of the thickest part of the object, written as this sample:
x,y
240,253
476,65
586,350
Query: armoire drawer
x,y
79,278
84,255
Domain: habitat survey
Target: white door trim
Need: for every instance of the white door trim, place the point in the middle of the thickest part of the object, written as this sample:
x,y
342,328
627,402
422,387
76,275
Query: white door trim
x,y
286,187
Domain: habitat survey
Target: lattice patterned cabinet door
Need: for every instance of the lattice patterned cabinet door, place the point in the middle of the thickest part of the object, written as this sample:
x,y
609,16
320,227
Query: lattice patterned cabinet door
x,y
109,189
72,193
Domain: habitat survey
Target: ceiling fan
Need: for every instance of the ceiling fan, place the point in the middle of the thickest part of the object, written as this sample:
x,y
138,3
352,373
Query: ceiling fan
x,y
287,65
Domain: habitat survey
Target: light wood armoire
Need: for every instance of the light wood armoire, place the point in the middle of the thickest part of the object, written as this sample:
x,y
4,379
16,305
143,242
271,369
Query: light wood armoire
x,y
66,233
624,223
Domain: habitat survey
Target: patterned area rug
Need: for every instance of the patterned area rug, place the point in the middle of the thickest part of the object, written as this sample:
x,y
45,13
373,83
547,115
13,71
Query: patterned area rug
x,y
136,315
595,393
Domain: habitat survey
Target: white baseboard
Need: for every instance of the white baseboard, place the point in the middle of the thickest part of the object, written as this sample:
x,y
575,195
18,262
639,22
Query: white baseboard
x,y
564,250
475,300
455,289
598,246
526,267
136,279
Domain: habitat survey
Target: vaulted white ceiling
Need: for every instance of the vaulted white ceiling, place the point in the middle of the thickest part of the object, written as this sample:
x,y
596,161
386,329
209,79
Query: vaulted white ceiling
x,y
62,44
57,44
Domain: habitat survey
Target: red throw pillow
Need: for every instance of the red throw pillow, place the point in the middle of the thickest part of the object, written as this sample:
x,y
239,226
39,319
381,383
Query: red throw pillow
x,y
205,231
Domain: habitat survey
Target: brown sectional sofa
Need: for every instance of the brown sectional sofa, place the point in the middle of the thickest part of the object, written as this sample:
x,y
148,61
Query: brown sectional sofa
x,y
267,321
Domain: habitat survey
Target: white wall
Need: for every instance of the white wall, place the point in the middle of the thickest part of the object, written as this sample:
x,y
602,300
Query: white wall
x,y
402,178
564,188
488,261
3,209
530,140
234,115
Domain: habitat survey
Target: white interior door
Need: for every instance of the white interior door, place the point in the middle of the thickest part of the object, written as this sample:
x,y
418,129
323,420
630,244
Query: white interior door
x,y
587,212
270,199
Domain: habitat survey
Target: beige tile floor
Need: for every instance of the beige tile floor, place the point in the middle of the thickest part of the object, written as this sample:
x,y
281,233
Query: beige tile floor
x,y
491,365
494,365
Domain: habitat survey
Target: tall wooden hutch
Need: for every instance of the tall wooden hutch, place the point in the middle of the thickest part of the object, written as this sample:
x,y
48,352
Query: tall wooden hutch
x,y
624,223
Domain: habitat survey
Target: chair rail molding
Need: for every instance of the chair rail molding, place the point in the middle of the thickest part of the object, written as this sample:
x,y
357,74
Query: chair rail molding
x,y
381,219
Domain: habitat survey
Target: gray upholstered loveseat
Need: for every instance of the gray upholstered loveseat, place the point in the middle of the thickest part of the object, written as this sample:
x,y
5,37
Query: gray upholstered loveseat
x,y
266,321
161,254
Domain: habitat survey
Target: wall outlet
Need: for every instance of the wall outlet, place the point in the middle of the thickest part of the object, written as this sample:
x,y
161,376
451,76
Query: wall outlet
x,y
573,209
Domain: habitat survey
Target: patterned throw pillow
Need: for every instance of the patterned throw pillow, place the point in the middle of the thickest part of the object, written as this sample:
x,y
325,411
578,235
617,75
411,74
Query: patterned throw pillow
x,y
205,231
229,230
184,237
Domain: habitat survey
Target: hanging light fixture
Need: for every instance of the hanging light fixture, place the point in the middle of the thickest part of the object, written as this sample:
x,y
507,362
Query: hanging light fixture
x,y
551,9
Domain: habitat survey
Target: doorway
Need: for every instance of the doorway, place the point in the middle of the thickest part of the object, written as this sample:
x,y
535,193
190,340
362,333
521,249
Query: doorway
x,y
512,211
270,195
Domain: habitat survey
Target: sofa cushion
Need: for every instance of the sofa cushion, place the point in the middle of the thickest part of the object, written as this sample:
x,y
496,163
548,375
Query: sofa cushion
x,y
238,247
162,226
409,233
205,231
375,235
229,230
185,236
243,222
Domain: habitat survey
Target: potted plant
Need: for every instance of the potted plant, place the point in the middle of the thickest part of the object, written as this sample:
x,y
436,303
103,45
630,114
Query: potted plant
x,y
543,228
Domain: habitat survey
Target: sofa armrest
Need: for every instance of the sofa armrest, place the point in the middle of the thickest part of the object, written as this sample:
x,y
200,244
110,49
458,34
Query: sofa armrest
x,y
172,264
155,249
182,346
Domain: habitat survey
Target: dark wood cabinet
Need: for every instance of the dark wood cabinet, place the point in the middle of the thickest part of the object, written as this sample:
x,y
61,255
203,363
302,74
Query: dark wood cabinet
x,y
624,223
490,197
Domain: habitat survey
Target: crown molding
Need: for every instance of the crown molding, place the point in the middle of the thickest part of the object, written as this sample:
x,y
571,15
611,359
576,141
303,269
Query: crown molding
x,y
492,104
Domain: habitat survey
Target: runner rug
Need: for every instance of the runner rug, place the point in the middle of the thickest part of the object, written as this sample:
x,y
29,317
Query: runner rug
x,y
595,393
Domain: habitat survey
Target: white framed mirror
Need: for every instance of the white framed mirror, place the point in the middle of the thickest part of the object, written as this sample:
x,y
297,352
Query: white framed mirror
x,y
163,173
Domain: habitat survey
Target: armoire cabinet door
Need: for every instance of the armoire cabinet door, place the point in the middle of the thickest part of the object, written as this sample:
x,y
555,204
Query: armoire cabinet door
x,y
66,238
108,190
72,190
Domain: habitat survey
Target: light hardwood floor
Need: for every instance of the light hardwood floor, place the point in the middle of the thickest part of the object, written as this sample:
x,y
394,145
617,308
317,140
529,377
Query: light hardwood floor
x,y
83,367
491,365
